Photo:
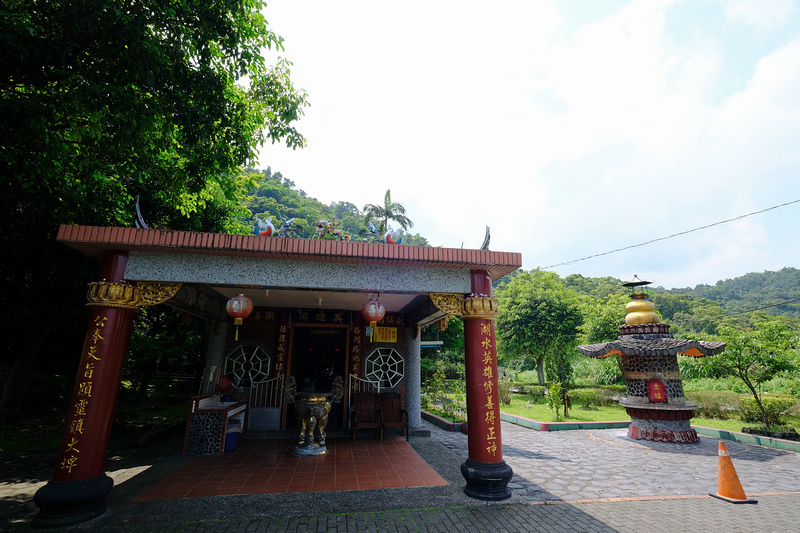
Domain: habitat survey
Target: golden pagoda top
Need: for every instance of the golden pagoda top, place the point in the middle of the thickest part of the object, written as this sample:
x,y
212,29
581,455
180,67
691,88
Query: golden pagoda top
x,y
640,309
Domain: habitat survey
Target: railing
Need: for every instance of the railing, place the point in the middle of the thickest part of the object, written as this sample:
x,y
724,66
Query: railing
x,y
357,384
209,382
268,393
265,402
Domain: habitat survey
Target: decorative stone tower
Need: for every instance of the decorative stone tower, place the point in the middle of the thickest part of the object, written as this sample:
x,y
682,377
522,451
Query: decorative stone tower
x,y
648,354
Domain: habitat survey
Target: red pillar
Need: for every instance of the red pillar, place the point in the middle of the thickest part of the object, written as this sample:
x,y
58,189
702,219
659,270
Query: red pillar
x,y
79,485
486,472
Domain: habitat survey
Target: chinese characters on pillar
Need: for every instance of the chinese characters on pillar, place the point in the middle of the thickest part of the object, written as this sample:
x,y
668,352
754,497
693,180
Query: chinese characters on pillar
x,y
280,360
83,397
355,351
492,416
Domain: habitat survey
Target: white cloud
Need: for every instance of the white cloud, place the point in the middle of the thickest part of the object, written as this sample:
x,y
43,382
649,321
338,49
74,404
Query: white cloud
x,y
764,118
569,138
762,14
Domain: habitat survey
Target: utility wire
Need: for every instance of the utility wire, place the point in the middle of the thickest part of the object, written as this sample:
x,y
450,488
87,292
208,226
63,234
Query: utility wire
x,y
671,236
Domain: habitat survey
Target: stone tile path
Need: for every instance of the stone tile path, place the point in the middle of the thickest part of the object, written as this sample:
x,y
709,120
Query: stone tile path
x,y
567,481
600,464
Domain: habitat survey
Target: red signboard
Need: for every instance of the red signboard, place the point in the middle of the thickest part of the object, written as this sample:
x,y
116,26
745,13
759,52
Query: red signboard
x,y
656,390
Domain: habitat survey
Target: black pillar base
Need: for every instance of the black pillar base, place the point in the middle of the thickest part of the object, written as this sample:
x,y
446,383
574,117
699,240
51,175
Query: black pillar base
x,y
66,503
487,481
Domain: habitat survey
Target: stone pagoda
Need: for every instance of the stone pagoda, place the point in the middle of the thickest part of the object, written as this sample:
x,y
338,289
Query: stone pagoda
x,y
648,353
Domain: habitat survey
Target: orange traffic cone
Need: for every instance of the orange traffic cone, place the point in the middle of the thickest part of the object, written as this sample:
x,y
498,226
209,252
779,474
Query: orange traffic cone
x,y
729,488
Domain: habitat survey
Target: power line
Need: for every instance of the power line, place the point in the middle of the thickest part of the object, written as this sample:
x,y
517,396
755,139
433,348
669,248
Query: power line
x,y
671,236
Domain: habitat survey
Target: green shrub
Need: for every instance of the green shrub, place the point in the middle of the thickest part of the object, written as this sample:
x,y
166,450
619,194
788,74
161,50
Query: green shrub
x,y
519,386
695,368
785,384
608,372
527,376
715,404
555,398
436,383
586,398
615,388
537,392
719,384
777,409
610,394
504,391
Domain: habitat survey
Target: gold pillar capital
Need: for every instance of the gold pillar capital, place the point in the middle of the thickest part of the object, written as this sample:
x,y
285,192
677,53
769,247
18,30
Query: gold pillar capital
x,y
126,296
481,307
108,294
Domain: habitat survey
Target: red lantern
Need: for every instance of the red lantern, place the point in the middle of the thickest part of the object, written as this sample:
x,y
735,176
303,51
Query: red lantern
x,y
239,307
373,311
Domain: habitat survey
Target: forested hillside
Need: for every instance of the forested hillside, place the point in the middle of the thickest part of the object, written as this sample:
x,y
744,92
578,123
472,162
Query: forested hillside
x,y
754,290
275,196
697,310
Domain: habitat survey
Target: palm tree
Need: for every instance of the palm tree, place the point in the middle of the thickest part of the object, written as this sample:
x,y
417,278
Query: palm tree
x,y
386,212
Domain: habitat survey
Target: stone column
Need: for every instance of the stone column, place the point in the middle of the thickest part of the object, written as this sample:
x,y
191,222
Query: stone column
x,y
215,356
413,380
79,485
486,472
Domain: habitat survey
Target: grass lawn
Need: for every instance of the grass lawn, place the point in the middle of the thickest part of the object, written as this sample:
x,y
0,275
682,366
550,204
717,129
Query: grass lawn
x,y
522,405
735,424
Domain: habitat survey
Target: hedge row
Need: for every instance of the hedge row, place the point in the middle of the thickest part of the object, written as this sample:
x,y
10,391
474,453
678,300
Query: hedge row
x,y
727,404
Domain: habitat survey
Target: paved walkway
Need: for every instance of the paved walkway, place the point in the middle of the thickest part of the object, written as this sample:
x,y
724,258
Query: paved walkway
x,y
599,464
589,480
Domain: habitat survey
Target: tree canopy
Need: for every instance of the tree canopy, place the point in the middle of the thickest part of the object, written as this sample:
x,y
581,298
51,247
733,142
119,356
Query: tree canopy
x,y
387,212
103,102
275,196
537,311
106,101
755,356
754,290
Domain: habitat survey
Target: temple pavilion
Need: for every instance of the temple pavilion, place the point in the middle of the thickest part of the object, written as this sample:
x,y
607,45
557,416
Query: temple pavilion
x,y
306,322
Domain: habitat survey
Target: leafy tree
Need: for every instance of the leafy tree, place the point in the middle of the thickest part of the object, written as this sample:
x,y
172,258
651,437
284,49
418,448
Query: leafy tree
x,y
451,352
274,196
414,240
386,212
164,341
755,357
104,102
602,318
594,287
754,290
536,311
558,363
349,216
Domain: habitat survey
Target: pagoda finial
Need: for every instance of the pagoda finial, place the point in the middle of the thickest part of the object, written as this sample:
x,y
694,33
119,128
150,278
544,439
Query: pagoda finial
x,y
640,309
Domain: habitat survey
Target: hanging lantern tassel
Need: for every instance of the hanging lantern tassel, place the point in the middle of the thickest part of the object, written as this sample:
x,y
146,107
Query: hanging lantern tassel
x,y
373,312
237,322
239,307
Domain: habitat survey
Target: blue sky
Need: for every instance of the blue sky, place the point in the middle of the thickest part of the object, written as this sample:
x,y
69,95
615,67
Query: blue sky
x,y
571,128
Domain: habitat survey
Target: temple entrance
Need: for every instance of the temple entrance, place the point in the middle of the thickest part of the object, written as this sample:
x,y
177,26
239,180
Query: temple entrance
x,y
319,354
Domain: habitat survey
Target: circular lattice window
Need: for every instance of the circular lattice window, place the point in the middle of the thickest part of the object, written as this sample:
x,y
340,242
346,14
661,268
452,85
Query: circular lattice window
x,y
247,365
386,367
